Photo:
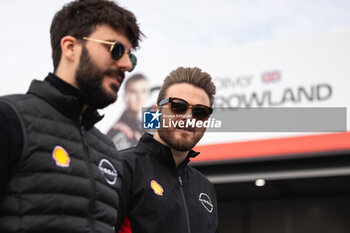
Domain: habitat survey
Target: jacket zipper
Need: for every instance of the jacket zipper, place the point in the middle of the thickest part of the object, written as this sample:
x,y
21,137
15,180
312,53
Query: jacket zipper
x,y
90,174
185,205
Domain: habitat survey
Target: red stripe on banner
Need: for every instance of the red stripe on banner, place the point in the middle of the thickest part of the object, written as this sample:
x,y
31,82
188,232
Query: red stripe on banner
x,y
273,147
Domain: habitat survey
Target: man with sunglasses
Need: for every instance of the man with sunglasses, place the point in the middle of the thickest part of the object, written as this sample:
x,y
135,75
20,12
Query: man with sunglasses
x,y
160,192
58,172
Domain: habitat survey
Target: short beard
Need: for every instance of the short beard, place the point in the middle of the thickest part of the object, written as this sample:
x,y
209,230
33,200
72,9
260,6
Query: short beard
x,y
89,78
185,144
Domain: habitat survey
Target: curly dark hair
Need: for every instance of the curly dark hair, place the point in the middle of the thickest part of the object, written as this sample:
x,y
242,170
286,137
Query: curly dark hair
x,y
79,18
194,76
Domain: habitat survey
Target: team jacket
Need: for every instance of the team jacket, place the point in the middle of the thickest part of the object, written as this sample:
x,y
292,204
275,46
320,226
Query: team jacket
x,y
158,197
66,179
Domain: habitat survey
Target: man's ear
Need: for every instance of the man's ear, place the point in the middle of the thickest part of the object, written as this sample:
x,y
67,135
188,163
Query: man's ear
x,y
155,107
70,48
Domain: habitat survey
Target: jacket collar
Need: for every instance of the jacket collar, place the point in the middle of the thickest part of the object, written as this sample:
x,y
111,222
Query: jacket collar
x,y
65,98
162,152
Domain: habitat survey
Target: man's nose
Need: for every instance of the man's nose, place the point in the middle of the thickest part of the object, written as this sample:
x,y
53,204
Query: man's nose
x,y
124,63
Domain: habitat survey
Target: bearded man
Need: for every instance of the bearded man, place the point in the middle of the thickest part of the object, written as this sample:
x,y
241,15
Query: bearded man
x,y
160,191
58,173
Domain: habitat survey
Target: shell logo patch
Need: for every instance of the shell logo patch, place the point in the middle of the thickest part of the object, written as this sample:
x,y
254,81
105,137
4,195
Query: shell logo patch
x,y
61,157
157,188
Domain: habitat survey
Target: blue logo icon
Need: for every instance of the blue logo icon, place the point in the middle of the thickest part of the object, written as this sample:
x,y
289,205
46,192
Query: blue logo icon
x,y
151,120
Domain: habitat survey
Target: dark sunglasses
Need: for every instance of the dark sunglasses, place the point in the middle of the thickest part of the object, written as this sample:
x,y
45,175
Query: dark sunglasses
x,y
116,49
180,106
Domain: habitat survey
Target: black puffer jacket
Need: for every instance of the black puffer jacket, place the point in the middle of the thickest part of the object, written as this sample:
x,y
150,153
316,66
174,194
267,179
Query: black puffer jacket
x,y
66,179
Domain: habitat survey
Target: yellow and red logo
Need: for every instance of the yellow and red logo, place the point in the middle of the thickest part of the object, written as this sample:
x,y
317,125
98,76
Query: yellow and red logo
x,y
60,155
157,188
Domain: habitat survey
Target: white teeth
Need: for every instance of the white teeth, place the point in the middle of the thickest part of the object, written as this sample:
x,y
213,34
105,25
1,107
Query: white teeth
x,y
115,78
